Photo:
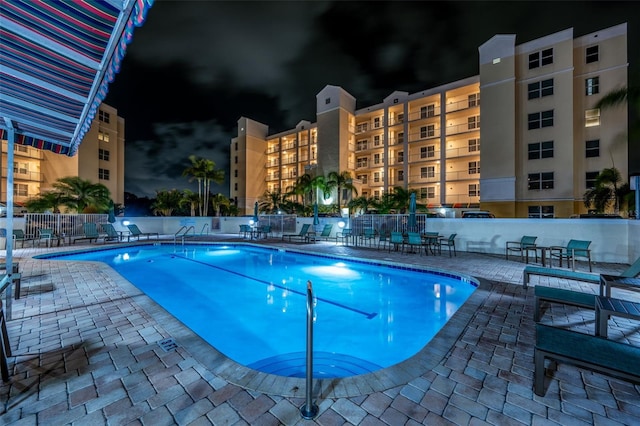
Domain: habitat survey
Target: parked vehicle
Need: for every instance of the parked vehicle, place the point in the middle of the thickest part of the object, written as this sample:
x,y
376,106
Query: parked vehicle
x,y
477,214
17,210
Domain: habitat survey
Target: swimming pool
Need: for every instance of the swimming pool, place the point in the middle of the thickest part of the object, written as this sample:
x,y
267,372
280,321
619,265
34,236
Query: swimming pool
x,y
250,303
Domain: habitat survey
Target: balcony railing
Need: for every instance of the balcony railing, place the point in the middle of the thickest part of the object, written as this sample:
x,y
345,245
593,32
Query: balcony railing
x,y
462,152
462,128
462,175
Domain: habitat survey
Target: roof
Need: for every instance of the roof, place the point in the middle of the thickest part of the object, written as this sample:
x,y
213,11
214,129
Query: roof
x,y
57,59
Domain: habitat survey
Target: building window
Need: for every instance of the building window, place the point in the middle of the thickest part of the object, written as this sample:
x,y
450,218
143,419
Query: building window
x,y
473,122
401,157
377,141
361,145
103,136
235,173
428,111
361,162
103,174
590,179
592,54
474,167
400,175
540,89
428,151
540,119
103,154
376,195
362,127
376,159
593,148
400,137
400,118
592,117
20,168
541,212
235,159
20,148
427,172
542,58
21,189
235,186
428,192
539,150
474,100
103,116
427,131
376,177
376,123
327,101
474,145
474,190
363,178
537,181
236,145
592,86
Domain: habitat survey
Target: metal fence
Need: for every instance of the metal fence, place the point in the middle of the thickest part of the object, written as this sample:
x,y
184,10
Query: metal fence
x,y
386,223
62,224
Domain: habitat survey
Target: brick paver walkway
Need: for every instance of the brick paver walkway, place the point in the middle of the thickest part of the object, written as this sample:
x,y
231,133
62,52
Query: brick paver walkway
x,y
85,351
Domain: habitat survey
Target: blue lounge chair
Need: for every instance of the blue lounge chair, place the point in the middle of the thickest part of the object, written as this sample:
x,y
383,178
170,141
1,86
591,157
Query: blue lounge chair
x,y
89,232
136,232
302,235
111,232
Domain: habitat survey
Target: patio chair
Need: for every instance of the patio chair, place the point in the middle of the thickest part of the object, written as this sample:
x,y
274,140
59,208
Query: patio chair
x,y
89,232
45,235
575,248
244,230
136,232
264,231
344,235
396,240
302,235
526,243
383,238
414,239
449,242
369,235
19,235
111,232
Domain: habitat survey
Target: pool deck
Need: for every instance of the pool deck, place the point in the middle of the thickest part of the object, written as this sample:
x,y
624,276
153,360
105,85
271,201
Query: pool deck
x,y
86,351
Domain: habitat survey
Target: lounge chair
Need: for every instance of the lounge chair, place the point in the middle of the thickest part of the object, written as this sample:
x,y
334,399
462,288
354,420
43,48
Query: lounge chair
x,y
575,248
326,232
608,281
89,232
264,231
19,235
136,232
302,235
449,242
526,244
369,235
111,232
244,230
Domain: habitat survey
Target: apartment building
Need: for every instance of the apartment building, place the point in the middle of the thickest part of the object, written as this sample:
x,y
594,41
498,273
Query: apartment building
x,y
100,159
543,141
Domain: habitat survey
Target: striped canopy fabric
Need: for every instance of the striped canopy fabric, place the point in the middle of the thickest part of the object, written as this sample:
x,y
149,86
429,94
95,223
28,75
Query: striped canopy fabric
x,y
57,58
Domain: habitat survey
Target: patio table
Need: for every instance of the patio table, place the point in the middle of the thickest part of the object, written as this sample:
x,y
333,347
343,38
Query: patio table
x,y
607,307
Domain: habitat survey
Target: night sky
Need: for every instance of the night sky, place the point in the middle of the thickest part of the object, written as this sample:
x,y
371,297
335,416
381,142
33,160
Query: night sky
x,y
195,67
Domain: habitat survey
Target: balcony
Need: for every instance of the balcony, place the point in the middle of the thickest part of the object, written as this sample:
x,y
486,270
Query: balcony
x,y
463,152
462,175
462,128
463,104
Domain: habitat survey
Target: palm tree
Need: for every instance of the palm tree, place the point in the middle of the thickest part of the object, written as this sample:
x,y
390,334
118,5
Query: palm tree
x,y
166,202
402,198
340,181
191,199
218,202
51,200
303,187
319,183
608,188
271,201
204,171
361,203
80,194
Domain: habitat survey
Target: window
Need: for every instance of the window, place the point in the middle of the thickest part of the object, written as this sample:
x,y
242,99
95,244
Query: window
x,y
236,146
20,148
400,175
473,122
474,167
427,131
592,117
427,172
376,122
235,186
376,177
103,136
377,141
537,181
539,150
428,151
103,174
474,145
542,58
474,190
362,127
376,195
592,54
540,89
376,159
474,100
361,162
103,154
20,168
21,189
363,178
236,159
428,192
541,212
361,145
401,137
592,86
400,118
428,111
593,148
401,157
103,116
235,173
590,179
540,119
327,101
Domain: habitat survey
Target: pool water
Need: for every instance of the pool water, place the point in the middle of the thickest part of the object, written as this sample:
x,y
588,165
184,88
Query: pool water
x,y
250,304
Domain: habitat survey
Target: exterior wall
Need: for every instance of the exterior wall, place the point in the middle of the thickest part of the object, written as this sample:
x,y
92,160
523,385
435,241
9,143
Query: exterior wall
x,y
39,169
248,160
432,141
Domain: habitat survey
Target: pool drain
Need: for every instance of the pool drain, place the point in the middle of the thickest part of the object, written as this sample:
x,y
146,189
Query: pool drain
x,y
168,344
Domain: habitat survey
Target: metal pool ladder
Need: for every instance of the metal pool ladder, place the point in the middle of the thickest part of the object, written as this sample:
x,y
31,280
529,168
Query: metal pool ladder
x,y
309,410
